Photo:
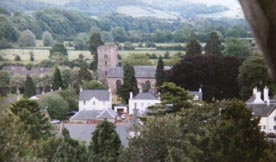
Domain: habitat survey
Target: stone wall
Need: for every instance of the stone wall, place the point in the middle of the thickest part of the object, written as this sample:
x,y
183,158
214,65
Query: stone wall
x,y
107,57
111,83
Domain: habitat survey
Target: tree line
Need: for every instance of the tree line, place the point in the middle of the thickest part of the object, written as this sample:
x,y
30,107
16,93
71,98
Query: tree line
x,y
64,25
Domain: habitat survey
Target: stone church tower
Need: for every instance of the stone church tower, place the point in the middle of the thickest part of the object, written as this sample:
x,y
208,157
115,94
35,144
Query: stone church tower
x,y
107,58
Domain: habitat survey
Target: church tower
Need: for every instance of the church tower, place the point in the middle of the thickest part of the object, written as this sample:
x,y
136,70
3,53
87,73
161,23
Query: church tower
x,y
107,58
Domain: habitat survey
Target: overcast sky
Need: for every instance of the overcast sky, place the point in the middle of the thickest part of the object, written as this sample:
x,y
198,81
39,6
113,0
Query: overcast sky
x,y
232,3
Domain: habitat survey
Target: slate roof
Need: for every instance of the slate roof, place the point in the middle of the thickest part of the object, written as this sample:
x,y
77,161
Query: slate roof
x,y
145,96
199,94
22,71
84,132
102,95
251,99
86,115
107,114
261,110
94,115
140,72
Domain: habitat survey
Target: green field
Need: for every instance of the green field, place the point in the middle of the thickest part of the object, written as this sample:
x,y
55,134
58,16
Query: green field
x,y
43,53
144,51
39,54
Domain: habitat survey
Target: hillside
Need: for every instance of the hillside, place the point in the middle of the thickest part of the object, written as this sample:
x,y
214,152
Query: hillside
x,y
161,9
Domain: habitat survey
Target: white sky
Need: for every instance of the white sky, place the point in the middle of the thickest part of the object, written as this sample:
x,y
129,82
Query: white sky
x,y
229,3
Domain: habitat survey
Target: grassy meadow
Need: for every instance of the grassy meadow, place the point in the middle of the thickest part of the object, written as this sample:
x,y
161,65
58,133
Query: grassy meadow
x,y
41,53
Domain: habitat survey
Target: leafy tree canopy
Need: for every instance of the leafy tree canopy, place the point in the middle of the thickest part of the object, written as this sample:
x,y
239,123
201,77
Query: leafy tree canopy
x,y
105,143
237,48
56,105
211,73
253,73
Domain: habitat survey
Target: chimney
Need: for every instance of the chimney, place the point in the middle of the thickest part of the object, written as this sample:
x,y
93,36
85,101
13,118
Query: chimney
x,y
258,99
255,90
130,95
266,95
200,90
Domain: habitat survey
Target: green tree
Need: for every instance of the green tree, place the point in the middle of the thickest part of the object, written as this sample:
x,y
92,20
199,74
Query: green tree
x,y
56,105
32,56
172,95
47,39
29,87
26,39
81,42
129,83
84,74
213,45
160,73
137,59
193,48
17,58
237,48
14,140
94,42
5,78
57,80
155,138
58,49
70,150
34,121
105,143
119,34
253,73
70,96
93,84
237,136
48,148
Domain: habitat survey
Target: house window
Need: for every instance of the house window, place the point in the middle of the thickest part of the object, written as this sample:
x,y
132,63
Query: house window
x,y
105,63
135,105
94,103
274,127
274,118
84,102
264,127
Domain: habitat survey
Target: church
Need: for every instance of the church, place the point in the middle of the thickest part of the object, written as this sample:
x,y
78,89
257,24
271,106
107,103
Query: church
x,y
112,75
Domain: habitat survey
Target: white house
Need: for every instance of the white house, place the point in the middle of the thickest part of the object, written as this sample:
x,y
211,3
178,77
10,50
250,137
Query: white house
x,y
95,100
265,108
196,95
142,101
94,106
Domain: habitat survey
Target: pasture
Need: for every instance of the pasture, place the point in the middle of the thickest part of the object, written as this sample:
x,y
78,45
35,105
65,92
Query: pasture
x,y
39,54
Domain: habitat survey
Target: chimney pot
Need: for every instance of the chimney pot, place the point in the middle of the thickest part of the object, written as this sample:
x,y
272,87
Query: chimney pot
x,y
266,95
255,90
130,95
